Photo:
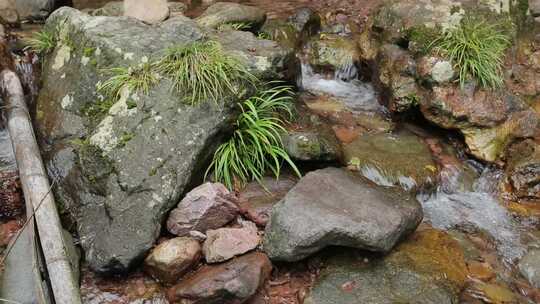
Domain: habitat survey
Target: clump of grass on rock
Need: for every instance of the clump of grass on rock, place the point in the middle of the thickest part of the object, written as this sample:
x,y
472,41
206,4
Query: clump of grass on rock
x,y
255,146
135,79
203,71
43,42
477,48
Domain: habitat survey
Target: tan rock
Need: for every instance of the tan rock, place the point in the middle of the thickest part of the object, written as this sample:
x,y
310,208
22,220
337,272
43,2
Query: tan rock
x,y
173,258
148,11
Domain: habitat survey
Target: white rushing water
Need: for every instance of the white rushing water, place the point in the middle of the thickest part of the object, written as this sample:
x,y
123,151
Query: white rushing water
x,y
356,95
451,207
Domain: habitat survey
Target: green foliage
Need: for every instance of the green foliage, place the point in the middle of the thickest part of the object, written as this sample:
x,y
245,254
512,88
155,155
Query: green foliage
x,y
477,49
255,146
236,26
422,37
134,79
203,71
96,110
43,42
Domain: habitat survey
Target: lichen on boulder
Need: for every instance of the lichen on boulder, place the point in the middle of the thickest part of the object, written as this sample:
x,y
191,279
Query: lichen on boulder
x,y
122,164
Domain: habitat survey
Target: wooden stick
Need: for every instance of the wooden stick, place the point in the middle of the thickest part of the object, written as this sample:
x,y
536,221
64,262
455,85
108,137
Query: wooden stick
x,y
36,186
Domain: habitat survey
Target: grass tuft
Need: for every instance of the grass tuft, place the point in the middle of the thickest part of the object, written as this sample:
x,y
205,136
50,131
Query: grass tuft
x,y
135,79
255,146
477,49
235,26
43,42
203,71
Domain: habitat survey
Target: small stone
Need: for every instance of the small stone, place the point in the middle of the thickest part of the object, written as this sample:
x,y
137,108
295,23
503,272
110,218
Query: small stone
x,y
199,236
435,69
232,282
150,12
209,206
529,266
311,146
481,271
173,258
225,243
256,201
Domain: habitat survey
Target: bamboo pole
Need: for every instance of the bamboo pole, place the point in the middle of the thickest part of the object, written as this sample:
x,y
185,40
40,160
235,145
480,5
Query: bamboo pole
x,y
36,189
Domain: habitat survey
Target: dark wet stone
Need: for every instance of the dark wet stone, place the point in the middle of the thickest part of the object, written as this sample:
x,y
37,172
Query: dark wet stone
x,y
228,283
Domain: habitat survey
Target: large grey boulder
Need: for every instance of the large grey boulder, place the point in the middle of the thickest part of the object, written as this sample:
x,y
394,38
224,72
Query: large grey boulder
x,y
333,207
119,170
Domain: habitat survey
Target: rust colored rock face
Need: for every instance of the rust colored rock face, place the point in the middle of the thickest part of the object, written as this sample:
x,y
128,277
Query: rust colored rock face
x,y
225,243
209,206
233,282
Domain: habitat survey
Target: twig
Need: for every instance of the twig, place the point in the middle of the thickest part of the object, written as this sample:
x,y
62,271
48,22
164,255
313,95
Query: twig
x,y
30,218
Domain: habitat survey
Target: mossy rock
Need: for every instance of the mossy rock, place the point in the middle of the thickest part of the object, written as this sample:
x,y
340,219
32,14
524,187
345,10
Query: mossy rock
x,y
426,268
122,164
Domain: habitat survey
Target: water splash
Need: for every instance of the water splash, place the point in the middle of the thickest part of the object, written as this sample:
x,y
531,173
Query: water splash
x,y
357,96
379,177
451,207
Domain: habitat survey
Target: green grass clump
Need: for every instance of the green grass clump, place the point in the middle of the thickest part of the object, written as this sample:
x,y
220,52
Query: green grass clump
x,y
477,49
203,71
135,79
43,42
236,26
255,146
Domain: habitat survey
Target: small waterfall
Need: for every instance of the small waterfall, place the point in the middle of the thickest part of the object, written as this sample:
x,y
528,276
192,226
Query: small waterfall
x,y
358,96
451,207
25,66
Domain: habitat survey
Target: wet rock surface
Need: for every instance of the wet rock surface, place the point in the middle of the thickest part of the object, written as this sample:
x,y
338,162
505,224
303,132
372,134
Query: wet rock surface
x,y
122,170
208,206
311,146
529,266
392,159
427,268
333,207
523,169
232,282
225,243
256,200
173,258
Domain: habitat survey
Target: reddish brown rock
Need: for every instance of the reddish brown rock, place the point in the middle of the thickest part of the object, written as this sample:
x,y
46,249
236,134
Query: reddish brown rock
x,y
173,258
225,243
233,282
256,203
523,169
8,230
209,206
